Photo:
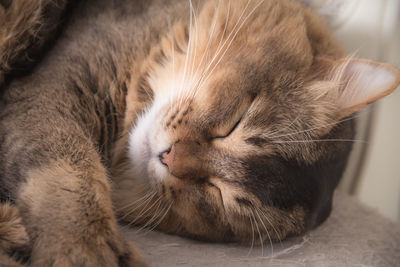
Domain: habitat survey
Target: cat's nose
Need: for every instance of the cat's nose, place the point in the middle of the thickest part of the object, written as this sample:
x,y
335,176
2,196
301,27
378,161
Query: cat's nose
x,y
186,160
167,157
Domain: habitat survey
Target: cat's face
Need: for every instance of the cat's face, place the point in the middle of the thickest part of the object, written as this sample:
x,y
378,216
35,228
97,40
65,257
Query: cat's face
x,y
238,139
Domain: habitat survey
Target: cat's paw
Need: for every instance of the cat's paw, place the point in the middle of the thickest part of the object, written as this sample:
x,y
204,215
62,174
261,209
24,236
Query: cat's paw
x,y
99,253
14,241
133,257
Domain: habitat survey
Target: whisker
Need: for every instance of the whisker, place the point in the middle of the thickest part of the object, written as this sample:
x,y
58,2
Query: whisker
x,y
259,233
316,128
187,54
191,47
146,196
145,203
288,126
229,35
193,60
252,236
144,210
225,26
209,39
133,202
230,43
162,218
216,14
219,50
152,218
318,140
137,207
195,88
273,227
173,61
266,230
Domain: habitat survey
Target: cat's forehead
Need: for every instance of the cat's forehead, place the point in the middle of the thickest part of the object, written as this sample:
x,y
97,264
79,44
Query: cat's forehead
x,y
258,87
250,71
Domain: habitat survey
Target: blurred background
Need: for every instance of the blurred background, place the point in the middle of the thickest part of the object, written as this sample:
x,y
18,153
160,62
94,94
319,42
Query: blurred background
x,y
371,29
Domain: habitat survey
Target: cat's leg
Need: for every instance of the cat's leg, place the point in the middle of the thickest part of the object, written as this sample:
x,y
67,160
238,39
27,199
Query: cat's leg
x,y
68,215
53,170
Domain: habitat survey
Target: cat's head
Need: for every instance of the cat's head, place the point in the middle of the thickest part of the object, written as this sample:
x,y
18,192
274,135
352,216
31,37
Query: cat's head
x,y
247,130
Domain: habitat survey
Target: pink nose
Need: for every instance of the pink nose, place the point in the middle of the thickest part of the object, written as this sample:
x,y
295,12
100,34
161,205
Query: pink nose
x,y
167,157
186,159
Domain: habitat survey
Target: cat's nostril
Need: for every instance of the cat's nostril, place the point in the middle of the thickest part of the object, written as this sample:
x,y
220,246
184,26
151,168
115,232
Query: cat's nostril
x,y
167,157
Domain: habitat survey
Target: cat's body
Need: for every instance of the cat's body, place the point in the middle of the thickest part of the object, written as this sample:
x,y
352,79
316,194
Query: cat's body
x,y
213,133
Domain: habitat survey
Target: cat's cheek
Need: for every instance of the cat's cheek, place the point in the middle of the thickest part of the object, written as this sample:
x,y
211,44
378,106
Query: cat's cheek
x,y
140,143
227,194
160,176
157,171
138,154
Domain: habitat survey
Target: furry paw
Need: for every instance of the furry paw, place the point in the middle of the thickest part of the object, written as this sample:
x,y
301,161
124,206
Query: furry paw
x,y
104,253
14,240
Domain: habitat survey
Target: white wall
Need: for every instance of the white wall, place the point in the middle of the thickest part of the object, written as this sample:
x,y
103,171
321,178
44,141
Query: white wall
x,y
372,27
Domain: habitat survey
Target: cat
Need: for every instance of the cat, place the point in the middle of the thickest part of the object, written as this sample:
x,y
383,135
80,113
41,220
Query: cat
x,y
225,121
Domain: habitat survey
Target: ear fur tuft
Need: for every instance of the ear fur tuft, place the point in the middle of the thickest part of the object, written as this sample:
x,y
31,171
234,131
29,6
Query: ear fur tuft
x,y
354,83
362,82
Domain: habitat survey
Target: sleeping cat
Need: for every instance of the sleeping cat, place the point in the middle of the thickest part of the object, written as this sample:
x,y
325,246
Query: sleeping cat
x,y
218,120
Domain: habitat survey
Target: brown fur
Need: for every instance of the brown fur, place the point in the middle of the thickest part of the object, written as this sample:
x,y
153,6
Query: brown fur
x,y
231,158
292,47
93,239
26,27
13,234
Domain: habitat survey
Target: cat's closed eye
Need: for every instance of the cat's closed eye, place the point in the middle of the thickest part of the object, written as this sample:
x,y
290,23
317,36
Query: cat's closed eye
x,y
230,131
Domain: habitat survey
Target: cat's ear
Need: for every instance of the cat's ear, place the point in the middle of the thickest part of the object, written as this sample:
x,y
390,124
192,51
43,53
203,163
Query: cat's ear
x,y
359,82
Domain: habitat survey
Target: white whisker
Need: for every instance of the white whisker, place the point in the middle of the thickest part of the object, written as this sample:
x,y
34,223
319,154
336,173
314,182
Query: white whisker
x,y
225,26
209,45
146,201
173,62
259,233
288,126
252,236
187,55
227,39
194,50
148,222
145,210
210,39
318,140
192,46
162,217
230,43
144,205
316,128
133,202
266,230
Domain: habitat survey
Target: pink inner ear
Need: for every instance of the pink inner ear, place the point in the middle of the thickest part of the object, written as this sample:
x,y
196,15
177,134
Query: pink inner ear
x,y
365,81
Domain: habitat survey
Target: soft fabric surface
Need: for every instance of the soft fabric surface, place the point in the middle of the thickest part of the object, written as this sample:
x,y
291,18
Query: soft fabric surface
x,y
353,235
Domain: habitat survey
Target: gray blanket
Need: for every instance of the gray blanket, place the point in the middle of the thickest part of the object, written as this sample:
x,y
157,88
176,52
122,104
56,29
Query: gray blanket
x,y
353,235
